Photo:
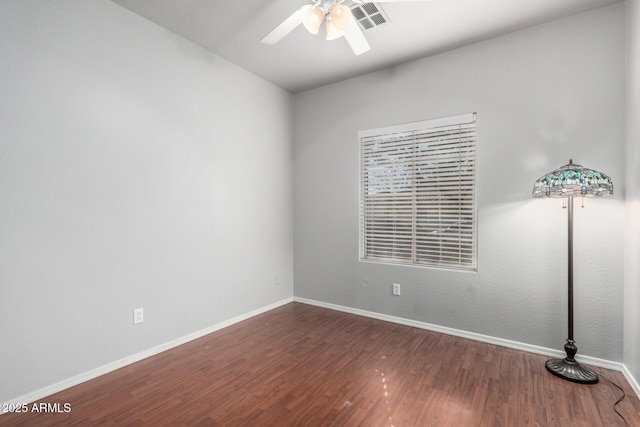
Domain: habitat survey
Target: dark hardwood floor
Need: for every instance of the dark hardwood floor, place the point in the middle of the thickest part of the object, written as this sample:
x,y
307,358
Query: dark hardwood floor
x,y
300,365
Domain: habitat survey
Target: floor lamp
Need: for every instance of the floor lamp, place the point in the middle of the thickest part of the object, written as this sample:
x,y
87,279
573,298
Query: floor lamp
x,y
567,182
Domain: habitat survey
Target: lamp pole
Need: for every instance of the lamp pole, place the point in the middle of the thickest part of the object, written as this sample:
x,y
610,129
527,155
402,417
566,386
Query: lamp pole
x,y
568,368
570,347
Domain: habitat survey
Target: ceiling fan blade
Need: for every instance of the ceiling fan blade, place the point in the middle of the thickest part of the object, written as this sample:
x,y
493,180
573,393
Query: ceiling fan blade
x,y
355,37
288,25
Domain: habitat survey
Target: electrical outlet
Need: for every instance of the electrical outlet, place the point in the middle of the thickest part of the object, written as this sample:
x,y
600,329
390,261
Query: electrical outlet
x,y
396,289
138,315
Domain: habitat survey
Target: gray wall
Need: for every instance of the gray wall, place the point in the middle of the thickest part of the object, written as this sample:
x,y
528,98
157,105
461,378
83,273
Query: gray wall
x,y
632,155
136,170
543,95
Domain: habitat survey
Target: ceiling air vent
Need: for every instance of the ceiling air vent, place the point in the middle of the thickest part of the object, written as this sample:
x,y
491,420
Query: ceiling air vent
x,y
369,15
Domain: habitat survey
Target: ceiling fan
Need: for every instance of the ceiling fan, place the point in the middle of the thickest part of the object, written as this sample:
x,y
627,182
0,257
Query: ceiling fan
x,y
337,18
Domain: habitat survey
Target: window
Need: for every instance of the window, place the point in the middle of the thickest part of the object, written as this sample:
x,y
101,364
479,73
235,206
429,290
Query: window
x,y
417,193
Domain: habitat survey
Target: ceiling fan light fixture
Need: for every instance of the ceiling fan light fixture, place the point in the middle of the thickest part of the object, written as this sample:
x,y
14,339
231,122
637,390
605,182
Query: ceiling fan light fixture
x,y
340,15
333,32
313,19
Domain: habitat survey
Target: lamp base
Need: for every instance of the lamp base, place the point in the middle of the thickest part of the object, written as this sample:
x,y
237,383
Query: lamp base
x,y
571,370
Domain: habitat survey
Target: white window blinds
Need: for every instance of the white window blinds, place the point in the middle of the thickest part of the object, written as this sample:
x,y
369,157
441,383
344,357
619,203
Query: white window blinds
x,y
417,203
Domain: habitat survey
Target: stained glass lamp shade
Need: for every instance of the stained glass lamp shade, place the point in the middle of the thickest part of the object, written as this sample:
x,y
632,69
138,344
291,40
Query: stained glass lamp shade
x,y
571,181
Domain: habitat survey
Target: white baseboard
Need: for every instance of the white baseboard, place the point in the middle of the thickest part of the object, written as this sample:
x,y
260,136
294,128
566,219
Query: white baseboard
x,y
631,380
593,361
109,367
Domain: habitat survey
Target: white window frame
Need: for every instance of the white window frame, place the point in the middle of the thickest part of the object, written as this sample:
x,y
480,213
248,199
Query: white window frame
x,y
418,193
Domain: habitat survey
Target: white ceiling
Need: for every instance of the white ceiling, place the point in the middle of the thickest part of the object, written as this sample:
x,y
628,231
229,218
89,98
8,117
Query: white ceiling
x,y
233,29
